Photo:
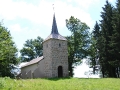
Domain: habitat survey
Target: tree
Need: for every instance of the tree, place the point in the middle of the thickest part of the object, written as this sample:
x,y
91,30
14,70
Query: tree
x,y
106,34
115,44
32,49
8,52
106,41
78,42
94,48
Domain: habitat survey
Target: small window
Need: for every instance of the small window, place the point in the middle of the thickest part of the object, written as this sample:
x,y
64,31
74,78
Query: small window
x,y
59,45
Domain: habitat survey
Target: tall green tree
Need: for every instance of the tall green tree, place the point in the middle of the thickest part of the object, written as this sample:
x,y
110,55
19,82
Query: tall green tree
x,y
8,52
102,42
78,42
115,44
94,48
32,49
106,34
105,42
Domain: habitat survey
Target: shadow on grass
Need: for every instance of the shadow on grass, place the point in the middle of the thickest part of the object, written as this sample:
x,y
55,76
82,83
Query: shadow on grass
x,y
56,79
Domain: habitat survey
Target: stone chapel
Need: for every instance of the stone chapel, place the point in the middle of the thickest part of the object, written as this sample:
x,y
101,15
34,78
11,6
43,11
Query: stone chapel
x,y
54,62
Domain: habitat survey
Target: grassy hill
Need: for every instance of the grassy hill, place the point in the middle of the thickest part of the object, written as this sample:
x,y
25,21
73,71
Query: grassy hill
x,y
60,84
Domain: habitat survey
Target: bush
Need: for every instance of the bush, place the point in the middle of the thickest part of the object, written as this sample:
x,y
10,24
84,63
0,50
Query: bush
x,y
2,83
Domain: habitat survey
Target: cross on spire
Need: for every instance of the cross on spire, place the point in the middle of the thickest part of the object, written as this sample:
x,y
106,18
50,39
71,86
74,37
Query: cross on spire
x,y
53,7
54,32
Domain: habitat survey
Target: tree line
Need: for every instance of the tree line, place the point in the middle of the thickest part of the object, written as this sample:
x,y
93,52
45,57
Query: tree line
x,y
105,48
101,46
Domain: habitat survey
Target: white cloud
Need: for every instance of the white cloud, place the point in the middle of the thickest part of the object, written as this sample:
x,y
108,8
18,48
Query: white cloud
x,y
15,28
85,4
111,1
21,34
81,69
36,14
64,11
42,13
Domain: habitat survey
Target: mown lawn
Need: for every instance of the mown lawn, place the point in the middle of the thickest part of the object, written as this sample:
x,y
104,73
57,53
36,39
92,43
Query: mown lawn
x,y
60,84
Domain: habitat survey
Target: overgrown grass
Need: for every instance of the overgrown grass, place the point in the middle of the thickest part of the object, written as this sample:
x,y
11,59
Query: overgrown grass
x,y
60,84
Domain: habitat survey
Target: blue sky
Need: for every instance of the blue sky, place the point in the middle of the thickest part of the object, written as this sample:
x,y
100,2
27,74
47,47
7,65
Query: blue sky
x,y
27,19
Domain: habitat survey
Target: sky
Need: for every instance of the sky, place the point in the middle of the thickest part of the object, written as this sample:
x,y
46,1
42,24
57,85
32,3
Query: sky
x,y
27,19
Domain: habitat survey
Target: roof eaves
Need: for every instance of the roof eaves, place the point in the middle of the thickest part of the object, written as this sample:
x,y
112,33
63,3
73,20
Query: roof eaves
x,y
29,63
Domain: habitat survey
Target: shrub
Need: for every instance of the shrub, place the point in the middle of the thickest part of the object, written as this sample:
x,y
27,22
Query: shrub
x,y
2,83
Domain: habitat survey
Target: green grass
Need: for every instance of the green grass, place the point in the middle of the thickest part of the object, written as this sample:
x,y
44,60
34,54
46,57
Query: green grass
x,y
60,84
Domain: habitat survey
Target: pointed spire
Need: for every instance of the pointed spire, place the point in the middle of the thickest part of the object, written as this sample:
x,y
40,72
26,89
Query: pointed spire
x,y
54,25
54,33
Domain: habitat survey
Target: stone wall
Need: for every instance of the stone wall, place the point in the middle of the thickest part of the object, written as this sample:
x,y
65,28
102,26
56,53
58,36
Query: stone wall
x,y
33,71
55,53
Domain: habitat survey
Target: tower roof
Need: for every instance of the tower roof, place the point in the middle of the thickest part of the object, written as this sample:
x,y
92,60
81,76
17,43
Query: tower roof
x,y
54,33
54,26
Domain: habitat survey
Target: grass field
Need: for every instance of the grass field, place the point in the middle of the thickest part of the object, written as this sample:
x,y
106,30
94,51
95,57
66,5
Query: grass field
x,y
60,84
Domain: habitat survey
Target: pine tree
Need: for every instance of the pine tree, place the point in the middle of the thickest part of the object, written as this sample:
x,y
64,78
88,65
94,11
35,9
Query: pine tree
x,y
115,43
94,48
106,34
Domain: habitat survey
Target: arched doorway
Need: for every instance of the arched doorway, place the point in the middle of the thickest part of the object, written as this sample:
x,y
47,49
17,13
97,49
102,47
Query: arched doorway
x,y
60,71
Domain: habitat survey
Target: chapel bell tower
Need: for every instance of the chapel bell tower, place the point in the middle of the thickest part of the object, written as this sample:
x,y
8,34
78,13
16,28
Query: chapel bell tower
x,y
55,53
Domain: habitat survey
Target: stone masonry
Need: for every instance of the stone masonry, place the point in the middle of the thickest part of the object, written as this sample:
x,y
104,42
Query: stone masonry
x,y
55,53
54,62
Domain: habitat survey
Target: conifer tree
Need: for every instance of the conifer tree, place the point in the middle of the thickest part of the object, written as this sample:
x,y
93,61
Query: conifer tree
x,y
94,48
115,43
106,34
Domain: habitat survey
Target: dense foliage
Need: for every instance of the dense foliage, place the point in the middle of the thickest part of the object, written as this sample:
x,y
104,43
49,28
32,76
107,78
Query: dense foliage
x,y
78,42
8,52
32,49
94,48
107,41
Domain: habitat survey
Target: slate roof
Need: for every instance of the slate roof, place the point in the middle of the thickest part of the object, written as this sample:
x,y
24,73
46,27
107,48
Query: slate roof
x,y
54,33
36,60
54,26
55,36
